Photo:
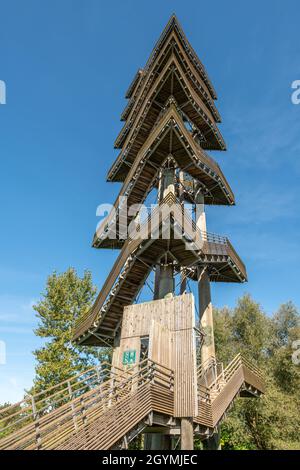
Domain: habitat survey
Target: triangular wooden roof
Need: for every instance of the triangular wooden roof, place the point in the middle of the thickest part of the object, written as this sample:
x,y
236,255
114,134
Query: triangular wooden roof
x,y
173,25
172,82
144,78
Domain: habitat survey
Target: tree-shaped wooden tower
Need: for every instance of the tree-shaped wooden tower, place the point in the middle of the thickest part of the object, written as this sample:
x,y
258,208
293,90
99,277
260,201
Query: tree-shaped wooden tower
x,y
170,122
164,380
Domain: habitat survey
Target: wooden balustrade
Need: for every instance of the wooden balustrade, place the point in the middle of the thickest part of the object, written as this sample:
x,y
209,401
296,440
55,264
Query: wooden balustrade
x,y
68,405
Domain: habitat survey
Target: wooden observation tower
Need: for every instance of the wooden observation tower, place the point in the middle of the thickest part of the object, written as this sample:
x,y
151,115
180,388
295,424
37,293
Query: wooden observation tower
x,y
170,122
164,380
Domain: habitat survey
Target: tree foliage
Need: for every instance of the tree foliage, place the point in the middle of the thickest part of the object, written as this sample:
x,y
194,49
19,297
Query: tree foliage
x,y
9,416
273,421
67,298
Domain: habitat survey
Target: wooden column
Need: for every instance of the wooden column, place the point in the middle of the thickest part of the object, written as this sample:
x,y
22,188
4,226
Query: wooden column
x,y
166,280
206,315
206,312
213,442
167,182
163,285
181,198
156,282
187,434
205,305
182,282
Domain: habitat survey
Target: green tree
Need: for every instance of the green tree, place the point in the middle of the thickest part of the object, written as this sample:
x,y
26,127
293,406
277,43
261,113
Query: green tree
x,y
223,333
286,323
245,329
272,422
251,329
9,417
66,299
286,327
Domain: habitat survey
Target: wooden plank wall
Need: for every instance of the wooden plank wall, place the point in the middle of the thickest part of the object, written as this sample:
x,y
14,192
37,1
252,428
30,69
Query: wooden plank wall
x,y
160,344
170,325
184,365
176,313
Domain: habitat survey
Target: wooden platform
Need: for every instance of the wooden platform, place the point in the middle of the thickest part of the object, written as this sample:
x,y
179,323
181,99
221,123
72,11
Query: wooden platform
x,y
138,257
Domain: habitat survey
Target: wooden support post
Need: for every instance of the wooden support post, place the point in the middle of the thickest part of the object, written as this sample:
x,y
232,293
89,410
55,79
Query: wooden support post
x,y
205,310
205,305
206,315
187,434
183,279
167,182
213,442
163,285
72,405
166,284
38,438
182,282
156,282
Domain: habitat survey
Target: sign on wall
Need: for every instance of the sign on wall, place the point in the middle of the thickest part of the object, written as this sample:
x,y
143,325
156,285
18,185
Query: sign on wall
x,y
129,357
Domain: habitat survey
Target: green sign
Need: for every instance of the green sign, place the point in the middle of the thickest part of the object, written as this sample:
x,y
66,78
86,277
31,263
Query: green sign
x,y
129,357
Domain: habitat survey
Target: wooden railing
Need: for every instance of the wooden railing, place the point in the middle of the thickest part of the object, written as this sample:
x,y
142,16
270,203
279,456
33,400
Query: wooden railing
x,y
49,417
215,399
79,409
235,257
48,400
225,374
202,368
219,245
208,371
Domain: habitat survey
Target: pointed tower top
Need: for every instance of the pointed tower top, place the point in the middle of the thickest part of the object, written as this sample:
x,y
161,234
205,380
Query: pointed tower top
x,y
174,24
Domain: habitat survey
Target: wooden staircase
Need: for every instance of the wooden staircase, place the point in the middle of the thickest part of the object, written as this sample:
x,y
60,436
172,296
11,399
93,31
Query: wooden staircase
x,y
104,408
240,377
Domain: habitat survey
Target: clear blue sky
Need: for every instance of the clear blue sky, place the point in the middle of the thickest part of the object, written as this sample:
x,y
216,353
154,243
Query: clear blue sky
x,y
67,65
